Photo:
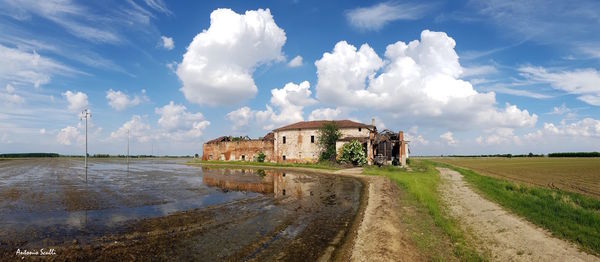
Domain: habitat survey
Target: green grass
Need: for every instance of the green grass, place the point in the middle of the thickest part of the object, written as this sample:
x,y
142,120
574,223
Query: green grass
x,y
320,165
567,215
422,183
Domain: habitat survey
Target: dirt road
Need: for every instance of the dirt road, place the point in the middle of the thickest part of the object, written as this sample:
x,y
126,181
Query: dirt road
x,y
504,236
380,236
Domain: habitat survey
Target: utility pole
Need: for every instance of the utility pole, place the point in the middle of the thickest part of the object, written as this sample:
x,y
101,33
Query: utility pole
x,y
127,148
85,114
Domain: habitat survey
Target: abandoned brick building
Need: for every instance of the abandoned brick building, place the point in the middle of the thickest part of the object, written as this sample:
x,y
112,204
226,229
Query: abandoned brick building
x,y
297,143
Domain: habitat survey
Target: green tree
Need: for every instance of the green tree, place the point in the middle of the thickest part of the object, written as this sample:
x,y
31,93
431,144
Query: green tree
x,y
327,135
353,153
260,157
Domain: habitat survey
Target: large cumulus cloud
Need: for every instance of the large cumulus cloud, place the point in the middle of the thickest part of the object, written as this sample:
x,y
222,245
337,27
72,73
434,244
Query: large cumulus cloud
x,y
420,80
218,65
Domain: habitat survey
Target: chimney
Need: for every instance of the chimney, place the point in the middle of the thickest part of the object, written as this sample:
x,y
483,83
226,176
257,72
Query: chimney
x,y
401,136
373,121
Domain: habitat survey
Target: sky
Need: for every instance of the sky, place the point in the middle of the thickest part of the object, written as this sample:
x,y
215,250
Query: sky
x,y
458,77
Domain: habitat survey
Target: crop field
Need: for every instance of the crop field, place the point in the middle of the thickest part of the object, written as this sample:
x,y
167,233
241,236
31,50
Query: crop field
x,y
580,175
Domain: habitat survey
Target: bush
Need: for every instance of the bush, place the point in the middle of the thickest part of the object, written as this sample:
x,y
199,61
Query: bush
x,y
352,153
261,157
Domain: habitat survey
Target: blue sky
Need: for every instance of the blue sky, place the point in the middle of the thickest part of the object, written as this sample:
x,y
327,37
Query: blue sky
x,y
459,77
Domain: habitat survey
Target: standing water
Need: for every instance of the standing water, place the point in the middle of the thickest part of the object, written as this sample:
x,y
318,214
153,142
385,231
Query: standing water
x,y
173,210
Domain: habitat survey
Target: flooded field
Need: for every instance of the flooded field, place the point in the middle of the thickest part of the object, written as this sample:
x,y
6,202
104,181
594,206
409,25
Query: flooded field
x,y
167,210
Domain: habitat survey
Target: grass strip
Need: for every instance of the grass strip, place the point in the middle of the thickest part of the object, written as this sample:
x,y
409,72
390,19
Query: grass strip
x,y
567,215
422,183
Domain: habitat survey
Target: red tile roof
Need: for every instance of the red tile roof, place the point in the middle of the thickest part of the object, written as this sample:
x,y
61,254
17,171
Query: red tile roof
x,y
319,123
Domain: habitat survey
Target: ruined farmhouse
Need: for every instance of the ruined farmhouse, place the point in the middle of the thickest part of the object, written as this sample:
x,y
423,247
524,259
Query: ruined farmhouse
x,y
297,143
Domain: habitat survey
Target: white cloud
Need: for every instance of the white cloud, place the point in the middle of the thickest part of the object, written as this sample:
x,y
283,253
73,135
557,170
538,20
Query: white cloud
x,y
172,66
69,135
295,62
10,89
419,80
343,72
564,23
377,16
325,114
577,135
240,117
414,138
4,139
179,124
218,65
536,135
10,97
590,50
498,136
290,102
135,128
583,82
448,138
100,24
587,127
158,5
378,123
66,14
42,131
167,42
175,124
29,68
77,100
119,100
478,70
563,110
500,88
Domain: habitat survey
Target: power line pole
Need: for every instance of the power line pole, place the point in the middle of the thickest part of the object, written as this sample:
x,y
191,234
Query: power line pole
x,y
85,114
127,148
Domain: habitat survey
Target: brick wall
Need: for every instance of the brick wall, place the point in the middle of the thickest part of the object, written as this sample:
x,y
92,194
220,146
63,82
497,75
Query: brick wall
x,y
234,150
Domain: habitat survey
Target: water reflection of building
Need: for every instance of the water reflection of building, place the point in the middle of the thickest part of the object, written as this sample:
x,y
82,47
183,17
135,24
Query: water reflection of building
x,y
261,181
294,184
237,180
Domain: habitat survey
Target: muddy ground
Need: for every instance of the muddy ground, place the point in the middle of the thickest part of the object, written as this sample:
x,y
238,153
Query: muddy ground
x,y
175,217
381,235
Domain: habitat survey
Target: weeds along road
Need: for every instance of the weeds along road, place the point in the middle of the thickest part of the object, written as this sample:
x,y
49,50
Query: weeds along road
x,y
504,236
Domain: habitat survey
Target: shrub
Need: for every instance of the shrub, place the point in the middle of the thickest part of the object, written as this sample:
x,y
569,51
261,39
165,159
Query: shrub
x,y
261,157
353,153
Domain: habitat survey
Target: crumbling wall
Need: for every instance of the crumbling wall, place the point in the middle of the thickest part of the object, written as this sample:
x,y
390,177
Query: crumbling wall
x,y
238,150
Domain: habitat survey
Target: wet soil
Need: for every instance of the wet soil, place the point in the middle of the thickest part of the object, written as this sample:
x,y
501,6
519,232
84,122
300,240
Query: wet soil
x,y
181,214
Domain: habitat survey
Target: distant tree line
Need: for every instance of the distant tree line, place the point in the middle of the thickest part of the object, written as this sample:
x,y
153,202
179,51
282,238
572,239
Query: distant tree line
x,y
563,154
575,154
19,155
501,155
